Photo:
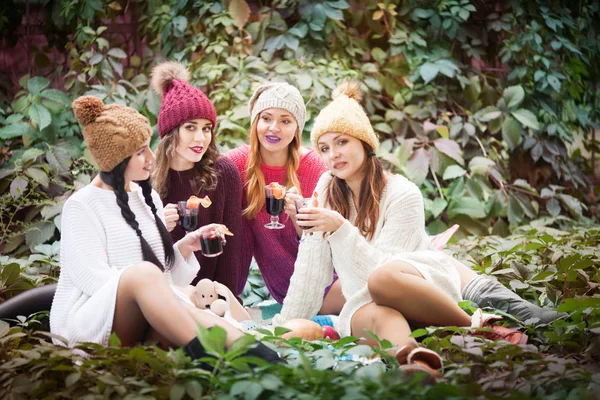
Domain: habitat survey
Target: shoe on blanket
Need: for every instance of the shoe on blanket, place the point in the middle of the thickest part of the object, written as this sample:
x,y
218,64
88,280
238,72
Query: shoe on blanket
x,y
195,350
420,360
479,319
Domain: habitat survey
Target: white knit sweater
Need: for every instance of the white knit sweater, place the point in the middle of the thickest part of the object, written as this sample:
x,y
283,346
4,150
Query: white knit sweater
x,y
399,235
97,245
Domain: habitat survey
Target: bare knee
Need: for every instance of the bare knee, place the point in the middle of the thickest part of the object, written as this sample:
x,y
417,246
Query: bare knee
x,y
142,271
385,280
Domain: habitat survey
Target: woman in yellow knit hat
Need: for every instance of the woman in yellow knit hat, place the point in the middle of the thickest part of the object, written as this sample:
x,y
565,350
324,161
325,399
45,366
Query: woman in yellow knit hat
x,y
120,271
370,230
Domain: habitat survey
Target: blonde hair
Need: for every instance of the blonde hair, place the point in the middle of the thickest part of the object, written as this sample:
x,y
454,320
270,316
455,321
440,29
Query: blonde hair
x,y
255,179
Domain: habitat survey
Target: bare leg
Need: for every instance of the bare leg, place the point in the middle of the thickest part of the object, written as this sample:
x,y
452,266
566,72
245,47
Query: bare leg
x,y
145,299
334,301
466,273
400,286
385,322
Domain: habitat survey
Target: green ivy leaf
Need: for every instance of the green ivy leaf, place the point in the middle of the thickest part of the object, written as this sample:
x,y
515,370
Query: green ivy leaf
x,y
18,186
511,132
515,211
513,96
36,84
15,130
526,117
553,207
454,171
438,206
56,95
177,392
38,175
417,166
118,53
40,115
450,148
480,165
429,71
466,206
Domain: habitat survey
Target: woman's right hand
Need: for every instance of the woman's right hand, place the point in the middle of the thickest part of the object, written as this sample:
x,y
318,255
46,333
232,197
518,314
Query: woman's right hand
x,y
171,216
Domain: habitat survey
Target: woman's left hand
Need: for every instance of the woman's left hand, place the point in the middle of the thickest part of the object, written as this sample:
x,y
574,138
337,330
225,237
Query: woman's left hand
x,y
191,241
291,195
319,219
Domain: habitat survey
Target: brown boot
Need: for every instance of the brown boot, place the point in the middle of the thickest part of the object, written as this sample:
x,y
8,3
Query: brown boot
x,y
420,360
481,320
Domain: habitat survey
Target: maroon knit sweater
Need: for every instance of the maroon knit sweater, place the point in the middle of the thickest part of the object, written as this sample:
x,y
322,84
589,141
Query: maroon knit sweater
x,y
225,209
275,250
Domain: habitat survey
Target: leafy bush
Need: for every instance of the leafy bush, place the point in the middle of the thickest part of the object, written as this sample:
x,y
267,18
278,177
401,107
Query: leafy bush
x,y
559,362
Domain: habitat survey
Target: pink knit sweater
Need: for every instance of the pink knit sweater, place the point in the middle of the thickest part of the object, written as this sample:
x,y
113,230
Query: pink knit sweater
x,y
275,250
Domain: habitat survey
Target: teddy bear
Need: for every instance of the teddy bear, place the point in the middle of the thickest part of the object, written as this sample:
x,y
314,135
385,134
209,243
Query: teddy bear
x,y
215,297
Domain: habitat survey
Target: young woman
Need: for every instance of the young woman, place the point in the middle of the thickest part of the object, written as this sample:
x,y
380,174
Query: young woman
x,y
371,231
120,271
188,163
276,154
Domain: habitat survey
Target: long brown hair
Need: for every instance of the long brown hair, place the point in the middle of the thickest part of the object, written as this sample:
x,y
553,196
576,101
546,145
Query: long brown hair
x,y
338,195
255,179
206,175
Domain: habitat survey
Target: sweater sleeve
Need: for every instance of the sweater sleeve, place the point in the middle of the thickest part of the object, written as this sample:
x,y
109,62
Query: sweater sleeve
x,y
183,271
313,272
83,249
228,264
402,230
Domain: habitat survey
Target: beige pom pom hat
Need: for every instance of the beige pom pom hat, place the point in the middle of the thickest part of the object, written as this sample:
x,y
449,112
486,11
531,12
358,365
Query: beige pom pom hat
x,y
345,115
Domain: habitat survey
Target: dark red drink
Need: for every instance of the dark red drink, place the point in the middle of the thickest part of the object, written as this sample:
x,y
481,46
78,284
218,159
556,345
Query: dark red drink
x,y
274,206
189,222
212,244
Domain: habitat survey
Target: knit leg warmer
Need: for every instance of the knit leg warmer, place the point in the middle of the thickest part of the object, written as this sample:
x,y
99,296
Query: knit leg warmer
x,y
488,292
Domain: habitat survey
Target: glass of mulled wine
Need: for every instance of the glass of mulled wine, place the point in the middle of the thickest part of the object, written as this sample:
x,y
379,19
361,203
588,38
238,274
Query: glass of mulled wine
x,y
188,216
307,202
274,203
212,243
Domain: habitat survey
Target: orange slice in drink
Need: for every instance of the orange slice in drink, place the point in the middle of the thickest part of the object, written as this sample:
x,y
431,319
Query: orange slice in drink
x,y
277,190
193,202
225,230
205,201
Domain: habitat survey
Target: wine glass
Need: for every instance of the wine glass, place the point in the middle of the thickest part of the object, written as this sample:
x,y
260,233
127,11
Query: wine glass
x,y
274,204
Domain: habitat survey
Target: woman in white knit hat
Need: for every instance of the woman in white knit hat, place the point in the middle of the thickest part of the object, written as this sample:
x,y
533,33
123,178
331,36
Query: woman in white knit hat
x,y
276,154
370,230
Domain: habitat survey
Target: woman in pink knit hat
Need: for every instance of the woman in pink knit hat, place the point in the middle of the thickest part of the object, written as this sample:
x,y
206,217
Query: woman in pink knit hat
x,y
276,154
189,164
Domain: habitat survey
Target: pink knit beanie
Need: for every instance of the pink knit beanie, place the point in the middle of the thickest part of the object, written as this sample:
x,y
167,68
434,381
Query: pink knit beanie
x,y
181,101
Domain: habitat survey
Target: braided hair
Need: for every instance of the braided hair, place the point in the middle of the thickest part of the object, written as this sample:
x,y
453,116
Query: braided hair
x,y
162,229
116,179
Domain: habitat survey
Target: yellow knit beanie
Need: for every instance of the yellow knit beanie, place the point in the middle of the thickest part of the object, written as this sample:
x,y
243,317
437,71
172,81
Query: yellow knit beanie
x,y
113,132
345,115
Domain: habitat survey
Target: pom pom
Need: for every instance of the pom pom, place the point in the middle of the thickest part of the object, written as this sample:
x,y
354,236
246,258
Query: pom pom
x,y
350,88
87,109
164,74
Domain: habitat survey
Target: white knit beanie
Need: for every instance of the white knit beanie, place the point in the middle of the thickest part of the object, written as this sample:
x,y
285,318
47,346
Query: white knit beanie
x,y
278,95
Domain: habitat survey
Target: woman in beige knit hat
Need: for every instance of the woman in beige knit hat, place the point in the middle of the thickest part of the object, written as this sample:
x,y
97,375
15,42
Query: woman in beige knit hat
x,y
120,271
276,154
371,231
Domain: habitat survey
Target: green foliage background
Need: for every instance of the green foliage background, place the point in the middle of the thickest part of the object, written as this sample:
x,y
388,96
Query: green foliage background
x,y
478,102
